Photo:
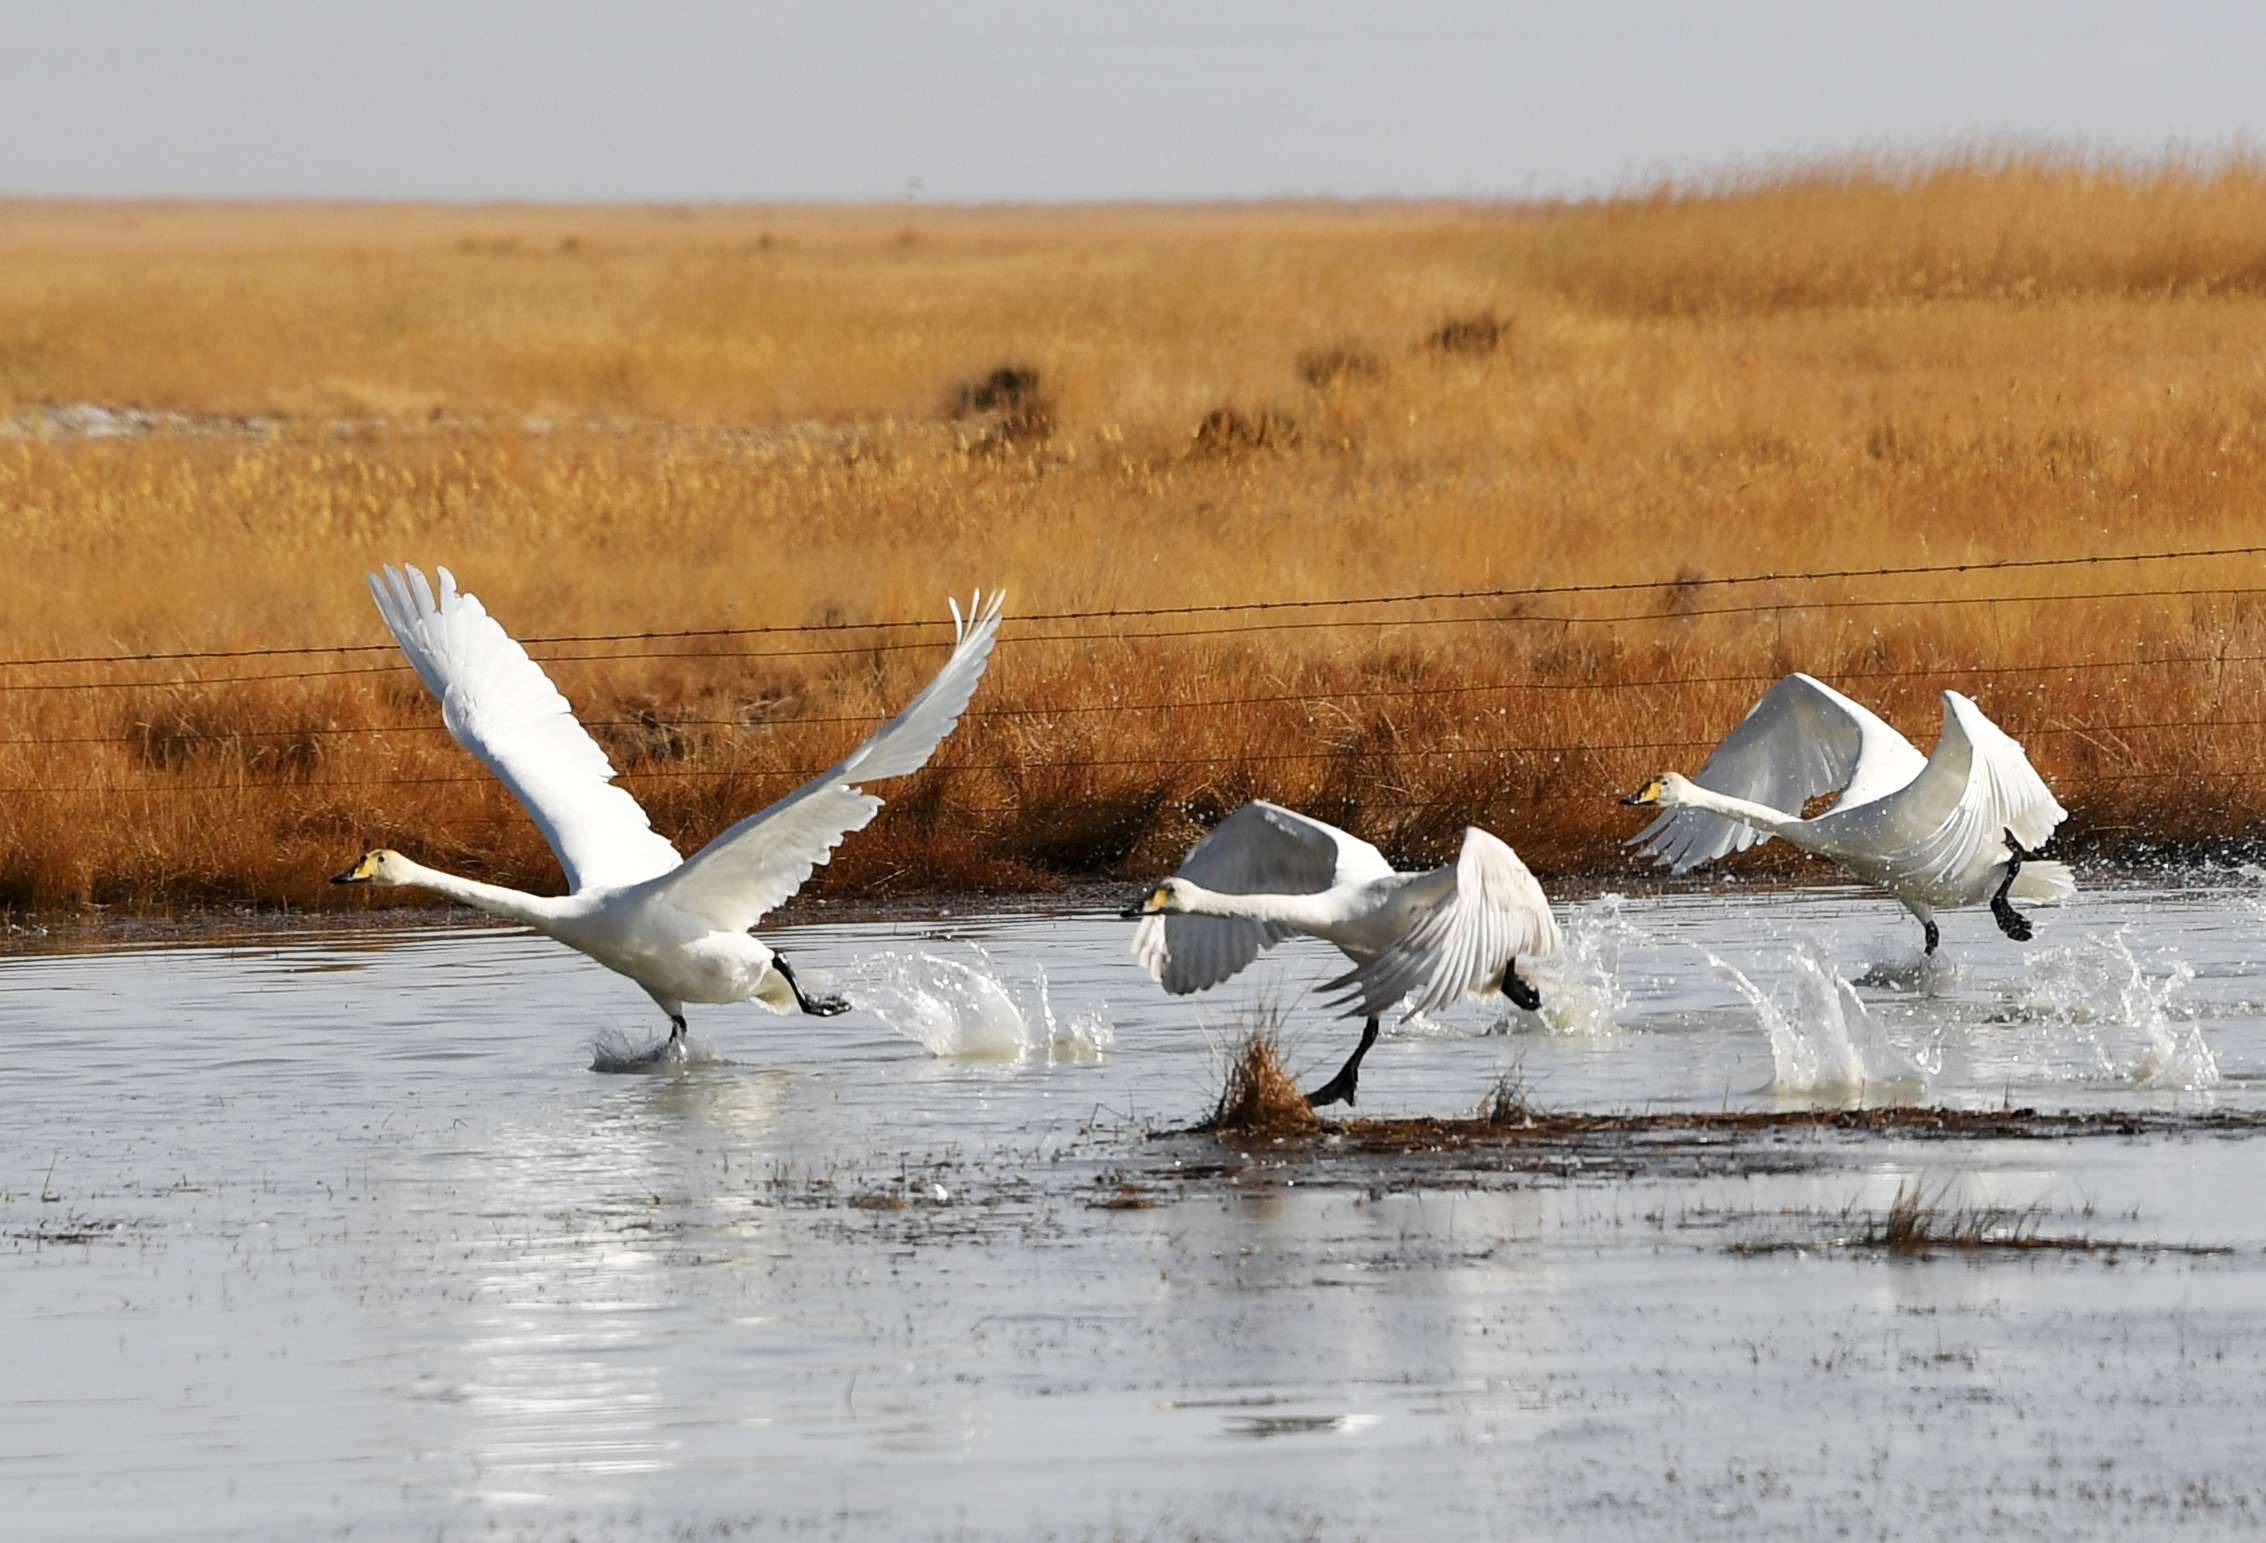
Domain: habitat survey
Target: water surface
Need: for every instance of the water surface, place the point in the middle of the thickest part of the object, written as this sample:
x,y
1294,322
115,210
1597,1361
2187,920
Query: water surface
x,y
336,1234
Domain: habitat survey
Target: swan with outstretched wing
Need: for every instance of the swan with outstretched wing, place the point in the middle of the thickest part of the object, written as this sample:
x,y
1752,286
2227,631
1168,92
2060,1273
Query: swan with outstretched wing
x,y
1266,873
1956,828
676,926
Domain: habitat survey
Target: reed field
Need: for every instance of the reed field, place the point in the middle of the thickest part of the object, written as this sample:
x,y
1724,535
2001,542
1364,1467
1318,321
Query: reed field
x,y
720,467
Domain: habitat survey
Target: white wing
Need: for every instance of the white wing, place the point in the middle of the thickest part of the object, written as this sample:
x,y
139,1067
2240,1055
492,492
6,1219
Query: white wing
x,y
1469,922
1946,830
765,858
1260,849
1802,739
502,707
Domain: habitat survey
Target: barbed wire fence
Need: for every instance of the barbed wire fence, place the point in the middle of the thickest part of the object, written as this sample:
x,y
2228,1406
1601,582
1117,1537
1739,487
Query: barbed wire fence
x,y
2030,584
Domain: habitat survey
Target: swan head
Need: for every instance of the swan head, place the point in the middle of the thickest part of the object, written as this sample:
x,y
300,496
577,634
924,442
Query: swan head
x,y
383,866
1170,896
1668,791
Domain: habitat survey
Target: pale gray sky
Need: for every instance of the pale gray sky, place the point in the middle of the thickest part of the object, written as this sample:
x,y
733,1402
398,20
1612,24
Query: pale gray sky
x,y
1001,99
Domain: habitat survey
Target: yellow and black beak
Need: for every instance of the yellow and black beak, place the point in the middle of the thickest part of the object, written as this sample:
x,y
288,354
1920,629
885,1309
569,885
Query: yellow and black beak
x,y
1648,794
361,873
1148,907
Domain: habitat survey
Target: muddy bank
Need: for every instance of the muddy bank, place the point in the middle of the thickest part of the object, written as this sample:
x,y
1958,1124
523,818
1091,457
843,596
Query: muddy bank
x,y
1399,1154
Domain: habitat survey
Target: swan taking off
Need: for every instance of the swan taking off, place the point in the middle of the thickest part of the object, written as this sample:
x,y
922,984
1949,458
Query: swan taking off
x,y
1264,874
677,926
1955,828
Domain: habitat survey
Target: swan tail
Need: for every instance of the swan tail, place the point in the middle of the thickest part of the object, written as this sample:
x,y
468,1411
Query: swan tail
x,y
2044,881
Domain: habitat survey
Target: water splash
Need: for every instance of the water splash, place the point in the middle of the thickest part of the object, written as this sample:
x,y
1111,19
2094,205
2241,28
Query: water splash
x,y
1582,993
1418,1024
2254,903
611,1050
1825,1041
1916,971
964,1011
2133,1024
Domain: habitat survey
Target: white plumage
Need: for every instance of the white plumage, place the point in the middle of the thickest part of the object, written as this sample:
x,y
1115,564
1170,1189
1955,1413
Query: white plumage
x,y
678,927
1931,830
1426,940
502,707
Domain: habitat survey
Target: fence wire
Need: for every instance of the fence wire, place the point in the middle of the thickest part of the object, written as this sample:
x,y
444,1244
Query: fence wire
x,y
1625,586
1504,607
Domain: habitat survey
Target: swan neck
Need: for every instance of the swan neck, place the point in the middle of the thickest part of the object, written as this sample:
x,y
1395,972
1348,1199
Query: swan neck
x,y
1291,910
1747,812
495,899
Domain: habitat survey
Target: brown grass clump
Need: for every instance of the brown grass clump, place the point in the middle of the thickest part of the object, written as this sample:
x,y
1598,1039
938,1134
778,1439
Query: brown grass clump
x,y
1008,403
1338,364
1226,431
1260,1101
1481,333
649,439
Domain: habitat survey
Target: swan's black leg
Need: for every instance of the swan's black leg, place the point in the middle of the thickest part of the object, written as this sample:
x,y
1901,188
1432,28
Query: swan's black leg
x,y
1339,1089
1521,993
1934,937
817,1007
676,1027
2010,921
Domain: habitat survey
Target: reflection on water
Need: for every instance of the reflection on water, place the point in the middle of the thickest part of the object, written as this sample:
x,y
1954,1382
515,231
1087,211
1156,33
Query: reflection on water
x,y
336,1236
561,1376
561,1381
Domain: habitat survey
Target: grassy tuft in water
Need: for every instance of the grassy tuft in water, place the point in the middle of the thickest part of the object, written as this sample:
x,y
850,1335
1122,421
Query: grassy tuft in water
x,y
1920,1223
1259,1099
1508,1103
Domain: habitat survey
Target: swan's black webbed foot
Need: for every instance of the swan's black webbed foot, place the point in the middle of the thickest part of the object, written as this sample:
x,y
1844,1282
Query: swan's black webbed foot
x,y
1934,937
1340,1089
1521,993
2010,921
816,1006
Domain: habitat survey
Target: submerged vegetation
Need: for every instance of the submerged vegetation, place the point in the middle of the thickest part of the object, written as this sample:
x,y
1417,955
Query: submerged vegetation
x,y
696,425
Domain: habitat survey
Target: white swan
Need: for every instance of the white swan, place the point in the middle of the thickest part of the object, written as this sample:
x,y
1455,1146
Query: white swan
x,y
1955,828
1265,873
677,926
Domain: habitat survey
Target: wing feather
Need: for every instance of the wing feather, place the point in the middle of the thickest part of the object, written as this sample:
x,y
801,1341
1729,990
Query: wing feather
x,y
502,707
1195,953
1802,739
1468,923
1260,849
757,864
1946,830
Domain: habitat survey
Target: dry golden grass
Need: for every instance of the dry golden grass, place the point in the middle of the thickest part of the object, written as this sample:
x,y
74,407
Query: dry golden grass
x,y
1258,1100
644,420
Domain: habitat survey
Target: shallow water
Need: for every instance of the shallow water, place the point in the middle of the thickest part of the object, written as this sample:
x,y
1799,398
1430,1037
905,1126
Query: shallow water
x,y
338,1234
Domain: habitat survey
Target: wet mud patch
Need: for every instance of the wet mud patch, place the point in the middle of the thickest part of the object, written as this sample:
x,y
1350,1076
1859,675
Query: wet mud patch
x,y
76,1231
1496,1147
999,1199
